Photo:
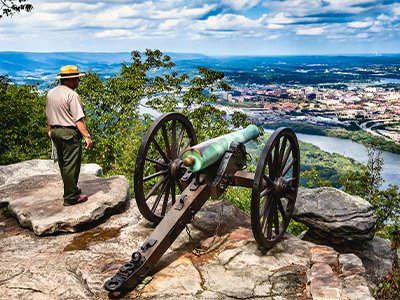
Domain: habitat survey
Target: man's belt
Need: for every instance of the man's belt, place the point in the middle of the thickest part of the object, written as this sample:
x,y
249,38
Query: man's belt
x,y
59,126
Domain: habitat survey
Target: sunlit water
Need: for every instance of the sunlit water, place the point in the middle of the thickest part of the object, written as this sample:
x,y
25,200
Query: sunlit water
x,y
391,166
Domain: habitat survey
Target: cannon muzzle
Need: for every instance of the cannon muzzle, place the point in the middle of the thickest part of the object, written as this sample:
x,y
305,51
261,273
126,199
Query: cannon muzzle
x,y
202,155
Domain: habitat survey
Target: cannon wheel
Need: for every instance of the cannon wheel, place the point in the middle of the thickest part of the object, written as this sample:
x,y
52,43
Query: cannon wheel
x,y
158,168
275,187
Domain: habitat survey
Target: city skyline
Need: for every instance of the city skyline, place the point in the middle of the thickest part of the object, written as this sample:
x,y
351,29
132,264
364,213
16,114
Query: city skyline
x,y
227,27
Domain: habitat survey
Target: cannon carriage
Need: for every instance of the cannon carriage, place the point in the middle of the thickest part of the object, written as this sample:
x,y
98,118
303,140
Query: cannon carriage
x,y
174,176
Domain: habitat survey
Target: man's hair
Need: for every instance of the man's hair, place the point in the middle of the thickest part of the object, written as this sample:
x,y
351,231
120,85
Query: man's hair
x,y
63,80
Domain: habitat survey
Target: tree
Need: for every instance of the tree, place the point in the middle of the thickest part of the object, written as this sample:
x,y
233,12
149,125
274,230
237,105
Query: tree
x,y
112,106
197,102
239,119
367,184
23,123
9,8
314,180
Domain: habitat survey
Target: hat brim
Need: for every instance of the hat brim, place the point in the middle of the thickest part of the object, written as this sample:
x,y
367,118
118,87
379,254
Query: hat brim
x,y
70,76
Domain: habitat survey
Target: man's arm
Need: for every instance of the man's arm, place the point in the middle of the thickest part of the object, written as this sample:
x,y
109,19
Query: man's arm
x,y
49,130
80,124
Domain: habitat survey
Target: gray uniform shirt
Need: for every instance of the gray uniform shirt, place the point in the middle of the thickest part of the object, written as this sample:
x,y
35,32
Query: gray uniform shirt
x,y
63,106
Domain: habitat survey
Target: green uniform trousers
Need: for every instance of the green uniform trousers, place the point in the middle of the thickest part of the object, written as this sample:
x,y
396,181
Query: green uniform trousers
x,y
69,151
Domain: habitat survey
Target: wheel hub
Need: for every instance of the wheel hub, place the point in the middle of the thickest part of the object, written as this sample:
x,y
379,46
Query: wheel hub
x,y
280,186
175,168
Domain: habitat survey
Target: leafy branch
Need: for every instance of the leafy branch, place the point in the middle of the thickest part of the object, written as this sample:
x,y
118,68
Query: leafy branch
x,y
9,8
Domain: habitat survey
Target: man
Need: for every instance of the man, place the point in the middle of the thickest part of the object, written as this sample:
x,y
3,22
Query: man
x,y
66,126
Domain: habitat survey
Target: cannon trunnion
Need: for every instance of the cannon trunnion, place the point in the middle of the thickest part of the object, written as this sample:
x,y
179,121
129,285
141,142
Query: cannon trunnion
x,y
175,176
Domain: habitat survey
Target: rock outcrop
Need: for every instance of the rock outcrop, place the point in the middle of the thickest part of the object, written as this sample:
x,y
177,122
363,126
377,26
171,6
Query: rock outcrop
x,y
226,264
334,215
76,265
36,199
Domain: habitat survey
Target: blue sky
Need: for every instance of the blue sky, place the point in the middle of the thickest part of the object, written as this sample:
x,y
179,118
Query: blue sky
x,y
227,27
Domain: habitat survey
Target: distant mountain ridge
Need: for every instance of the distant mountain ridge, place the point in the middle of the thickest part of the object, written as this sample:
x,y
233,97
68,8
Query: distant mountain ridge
x,y
41,68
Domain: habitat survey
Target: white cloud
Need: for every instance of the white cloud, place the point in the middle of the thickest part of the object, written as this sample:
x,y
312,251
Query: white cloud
x,y
279,18
310,31
169,24
396,9
63,7
184,12
241,4
272,37
229,22
275,26
302,8
362,35
173,22
116,33
360,24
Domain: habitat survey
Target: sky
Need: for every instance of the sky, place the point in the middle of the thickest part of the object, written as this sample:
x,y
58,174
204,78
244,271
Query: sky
x,y
226,27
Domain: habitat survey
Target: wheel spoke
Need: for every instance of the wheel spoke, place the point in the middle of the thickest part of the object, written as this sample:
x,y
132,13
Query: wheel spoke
x,y
276,160
281,153
266,191
267,220
271,169
288,166
156,162
173,192
276,220
178,183
264,219
174,146
155,175
282,210
264,210
185,147
269,223
160,150
166,198
290,196
180,138
166,141
155,187
286,156
159,196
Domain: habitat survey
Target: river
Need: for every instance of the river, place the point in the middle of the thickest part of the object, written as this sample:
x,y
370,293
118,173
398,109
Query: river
x,y
391,165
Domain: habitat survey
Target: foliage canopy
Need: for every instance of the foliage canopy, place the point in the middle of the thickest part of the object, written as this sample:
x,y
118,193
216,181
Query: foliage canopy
x,y
9,8
22,123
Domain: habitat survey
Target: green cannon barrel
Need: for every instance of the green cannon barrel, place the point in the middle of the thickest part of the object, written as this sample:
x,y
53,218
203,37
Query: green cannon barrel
x,y
206,153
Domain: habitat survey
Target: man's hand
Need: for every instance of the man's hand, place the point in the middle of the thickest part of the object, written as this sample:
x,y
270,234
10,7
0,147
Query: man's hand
x,y
89,142
80,124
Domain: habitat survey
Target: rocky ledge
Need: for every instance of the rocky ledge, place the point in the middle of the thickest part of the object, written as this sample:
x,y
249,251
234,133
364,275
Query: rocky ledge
x,y
75,266
226,264
33,190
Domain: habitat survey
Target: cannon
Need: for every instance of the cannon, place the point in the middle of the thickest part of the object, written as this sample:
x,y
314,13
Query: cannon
x,y
174,176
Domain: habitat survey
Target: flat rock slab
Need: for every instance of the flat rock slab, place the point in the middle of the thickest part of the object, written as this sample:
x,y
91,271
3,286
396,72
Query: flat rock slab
x,y
36,200
334,215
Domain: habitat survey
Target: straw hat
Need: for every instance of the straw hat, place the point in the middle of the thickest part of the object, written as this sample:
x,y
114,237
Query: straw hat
x,y
69,72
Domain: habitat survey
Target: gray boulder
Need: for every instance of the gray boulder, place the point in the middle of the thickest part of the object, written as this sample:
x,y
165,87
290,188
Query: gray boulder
x,y
36,200
334,215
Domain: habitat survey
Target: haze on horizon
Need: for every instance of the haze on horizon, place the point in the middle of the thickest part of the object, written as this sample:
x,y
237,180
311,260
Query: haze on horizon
x,y
226,27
